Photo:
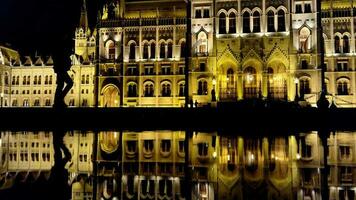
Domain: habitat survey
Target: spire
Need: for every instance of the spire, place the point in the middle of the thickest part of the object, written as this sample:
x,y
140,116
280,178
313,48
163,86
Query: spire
x,y
84,17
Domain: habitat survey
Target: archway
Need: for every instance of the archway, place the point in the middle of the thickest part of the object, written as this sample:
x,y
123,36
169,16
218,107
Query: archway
x,y
111,97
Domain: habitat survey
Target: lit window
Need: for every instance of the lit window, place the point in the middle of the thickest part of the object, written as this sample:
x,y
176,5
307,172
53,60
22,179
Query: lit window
x,y
203,149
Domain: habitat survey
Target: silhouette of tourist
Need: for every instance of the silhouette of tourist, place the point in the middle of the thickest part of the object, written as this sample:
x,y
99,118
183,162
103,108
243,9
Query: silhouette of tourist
x,y
196,103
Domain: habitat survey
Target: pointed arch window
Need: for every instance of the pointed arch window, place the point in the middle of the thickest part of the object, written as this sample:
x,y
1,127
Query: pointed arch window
x,y
232,23
153,50
304,87
111,50
304,37
181,90
281,21
145,51
256,22
182,49
132,55
202,87
202,43
166,90
230,78
346,44
170,50
149,90
222,23
246,22
132,90
343,87
162,50
6,81
87,79
35,80
270,21
39,80
337,44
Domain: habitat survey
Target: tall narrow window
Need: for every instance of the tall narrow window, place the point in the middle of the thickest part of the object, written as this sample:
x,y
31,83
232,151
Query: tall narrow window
x,y
230,78
6,81
153,50
87,79
132,55
270,21
337,44
304,87
162,50
222,23
256,22
346,44
170,50
182,49
202,43
145,51
111,50
232,23
39,80
246,22
181,90
281,21
35,80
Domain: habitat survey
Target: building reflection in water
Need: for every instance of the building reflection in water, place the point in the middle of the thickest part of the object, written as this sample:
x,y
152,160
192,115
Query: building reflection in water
x,y
151,164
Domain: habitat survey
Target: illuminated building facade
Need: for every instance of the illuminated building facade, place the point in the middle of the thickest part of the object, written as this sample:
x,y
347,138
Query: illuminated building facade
x,y
150,164
240,50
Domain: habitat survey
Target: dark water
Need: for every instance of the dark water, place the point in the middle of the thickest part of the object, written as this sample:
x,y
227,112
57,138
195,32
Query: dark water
x,y
153,165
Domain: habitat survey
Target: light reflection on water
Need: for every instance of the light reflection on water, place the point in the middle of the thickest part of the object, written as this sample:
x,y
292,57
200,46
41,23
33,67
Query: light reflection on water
x,y
151,164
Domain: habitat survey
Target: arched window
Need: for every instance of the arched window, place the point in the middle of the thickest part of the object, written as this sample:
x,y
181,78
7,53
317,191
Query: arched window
x,y
35,80
50,79
166,90
304,87
256,22
182,49
202,43
83,79
110,50
6,79
343,87
181,90
232,23
87,79
17,80
39,80
202,87
304,36
13,81
281,21
145,51
337,44
24,80
132,55
153,50
149,90
170,50
132,90
222,23
246,22
346,44
270,21
230,78
162,50
28,80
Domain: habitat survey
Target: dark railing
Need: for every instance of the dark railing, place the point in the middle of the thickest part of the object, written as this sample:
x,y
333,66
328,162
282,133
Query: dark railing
x,y
251,92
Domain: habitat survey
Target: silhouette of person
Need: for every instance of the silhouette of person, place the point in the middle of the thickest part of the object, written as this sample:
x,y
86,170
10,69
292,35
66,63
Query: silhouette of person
x,y
62,64
196,103
213,97
59,175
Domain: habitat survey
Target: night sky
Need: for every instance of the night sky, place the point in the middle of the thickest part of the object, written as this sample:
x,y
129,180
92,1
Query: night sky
x,y
38,25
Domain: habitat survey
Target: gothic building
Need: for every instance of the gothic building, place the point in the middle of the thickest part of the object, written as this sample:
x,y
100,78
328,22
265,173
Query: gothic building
x,y
238,50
